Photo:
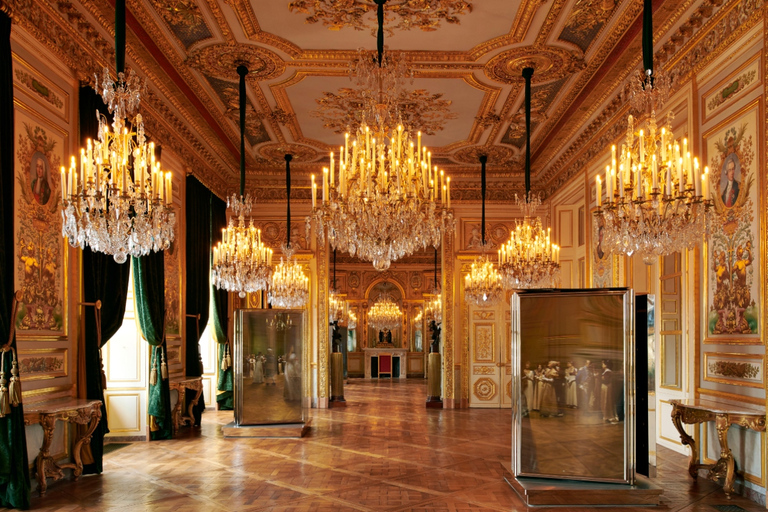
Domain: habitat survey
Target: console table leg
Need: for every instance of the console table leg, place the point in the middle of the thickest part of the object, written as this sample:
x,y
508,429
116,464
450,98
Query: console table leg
x,y
726,456
86,438
685,439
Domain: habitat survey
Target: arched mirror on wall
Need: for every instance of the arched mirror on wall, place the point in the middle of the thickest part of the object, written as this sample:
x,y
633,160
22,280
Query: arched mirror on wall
x,y
384,315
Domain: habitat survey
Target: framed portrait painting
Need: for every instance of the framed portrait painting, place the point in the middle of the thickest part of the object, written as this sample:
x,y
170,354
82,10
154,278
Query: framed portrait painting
x,y
40,249
734,299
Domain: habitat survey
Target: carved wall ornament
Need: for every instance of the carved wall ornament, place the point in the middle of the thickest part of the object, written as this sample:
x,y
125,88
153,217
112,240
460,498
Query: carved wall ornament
x,y
179,12
426,15
485,389
484,315
343,111
221,61
416,281
484,370
39,88
280,116
275,153
550,62
585,20
353,279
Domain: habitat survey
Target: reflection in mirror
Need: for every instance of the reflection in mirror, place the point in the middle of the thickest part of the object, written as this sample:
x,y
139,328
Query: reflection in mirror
x,y
268,374
571,397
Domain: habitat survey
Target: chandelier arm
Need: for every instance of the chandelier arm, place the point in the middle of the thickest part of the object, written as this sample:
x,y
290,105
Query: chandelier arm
x,y
380,32
288,158
242,71
120,36
483,160
648,38
527,74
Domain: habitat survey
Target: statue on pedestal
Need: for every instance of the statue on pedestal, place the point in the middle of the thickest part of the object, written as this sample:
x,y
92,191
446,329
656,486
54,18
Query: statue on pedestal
x,y
434,347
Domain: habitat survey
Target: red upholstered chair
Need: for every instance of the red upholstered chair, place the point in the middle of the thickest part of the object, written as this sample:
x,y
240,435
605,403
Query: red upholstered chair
x,y
385,365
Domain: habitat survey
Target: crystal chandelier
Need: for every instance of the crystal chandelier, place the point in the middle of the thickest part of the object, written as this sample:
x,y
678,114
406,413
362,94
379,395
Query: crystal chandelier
x,y
337,306
385,314
351,320
241,261
482,286
433,309
529,259
117,200
290,286
386,201
656,196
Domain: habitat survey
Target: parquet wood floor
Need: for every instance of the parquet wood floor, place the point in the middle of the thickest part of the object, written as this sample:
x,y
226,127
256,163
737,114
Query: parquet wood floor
x,y
384,452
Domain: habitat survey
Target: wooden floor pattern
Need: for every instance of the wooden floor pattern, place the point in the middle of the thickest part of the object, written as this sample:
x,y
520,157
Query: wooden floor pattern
x,y
384,452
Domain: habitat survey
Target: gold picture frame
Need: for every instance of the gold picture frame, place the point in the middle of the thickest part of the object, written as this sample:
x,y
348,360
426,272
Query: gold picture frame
x,y
735,369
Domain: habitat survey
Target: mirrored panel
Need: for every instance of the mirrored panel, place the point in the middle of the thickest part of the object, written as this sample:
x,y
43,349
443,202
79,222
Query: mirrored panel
x,y
268,366
573,414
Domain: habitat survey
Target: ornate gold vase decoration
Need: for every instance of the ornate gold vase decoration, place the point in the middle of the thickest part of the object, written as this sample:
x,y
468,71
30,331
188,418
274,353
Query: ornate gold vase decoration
x,y
529,259
241,261
385,314
385,201
656,195
482,286
117,200
289,286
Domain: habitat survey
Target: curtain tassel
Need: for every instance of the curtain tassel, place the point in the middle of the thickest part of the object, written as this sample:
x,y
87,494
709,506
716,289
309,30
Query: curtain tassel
x,y
224,363
15,387
229,356
163,366
153,372
5,405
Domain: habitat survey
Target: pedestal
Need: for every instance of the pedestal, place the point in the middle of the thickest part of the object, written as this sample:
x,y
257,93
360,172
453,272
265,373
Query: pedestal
x,y
433,381
542,491
337,380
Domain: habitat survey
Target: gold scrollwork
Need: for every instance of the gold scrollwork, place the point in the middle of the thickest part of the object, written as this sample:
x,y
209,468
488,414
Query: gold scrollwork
x,y
483,370
485,389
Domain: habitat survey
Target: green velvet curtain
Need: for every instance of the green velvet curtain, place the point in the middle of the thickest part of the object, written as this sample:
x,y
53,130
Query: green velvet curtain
x,y
14,466
198,275
149,292
224,385
103,279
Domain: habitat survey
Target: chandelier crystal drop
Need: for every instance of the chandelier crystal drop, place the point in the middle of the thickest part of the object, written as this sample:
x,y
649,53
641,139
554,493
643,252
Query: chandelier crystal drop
x,y
290,286
384,200
656,196
385,314
122,97
482,286
241,261
529,259
381,86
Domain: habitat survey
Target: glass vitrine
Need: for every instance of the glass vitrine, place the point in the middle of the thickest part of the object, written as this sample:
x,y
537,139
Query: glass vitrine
x,y
269,375
573,385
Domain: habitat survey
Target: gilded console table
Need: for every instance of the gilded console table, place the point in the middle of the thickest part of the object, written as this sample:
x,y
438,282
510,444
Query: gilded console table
x,y
72,410
181,386
693,411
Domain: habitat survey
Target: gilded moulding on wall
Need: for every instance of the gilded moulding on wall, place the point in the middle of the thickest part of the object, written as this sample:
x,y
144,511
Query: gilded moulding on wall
x,y
744,79
735,369
42,363
41,87
733,263
418,109
40,254
484,343
484,370
172,292
426,15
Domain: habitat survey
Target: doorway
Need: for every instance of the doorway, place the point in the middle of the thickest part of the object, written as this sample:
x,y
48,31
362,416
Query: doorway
x,y
490,361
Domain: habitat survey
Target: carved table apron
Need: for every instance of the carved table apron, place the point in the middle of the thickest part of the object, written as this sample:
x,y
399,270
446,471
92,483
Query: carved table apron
x,y
196,385
693,411
81,412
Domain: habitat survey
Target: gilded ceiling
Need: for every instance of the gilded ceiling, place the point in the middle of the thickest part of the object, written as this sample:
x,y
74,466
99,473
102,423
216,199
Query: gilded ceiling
x,y
466,57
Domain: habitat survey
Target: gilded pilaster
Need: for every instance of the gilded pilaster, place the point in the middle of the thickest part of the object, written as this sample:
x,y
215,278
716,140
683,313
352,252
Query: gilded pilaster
x,y
448,257
323,365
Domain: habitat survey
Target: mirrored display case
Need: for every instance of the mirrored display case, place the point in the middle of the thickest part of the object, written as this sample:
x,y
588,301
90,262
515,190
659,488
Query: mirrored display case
x,y
573,385
269,375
